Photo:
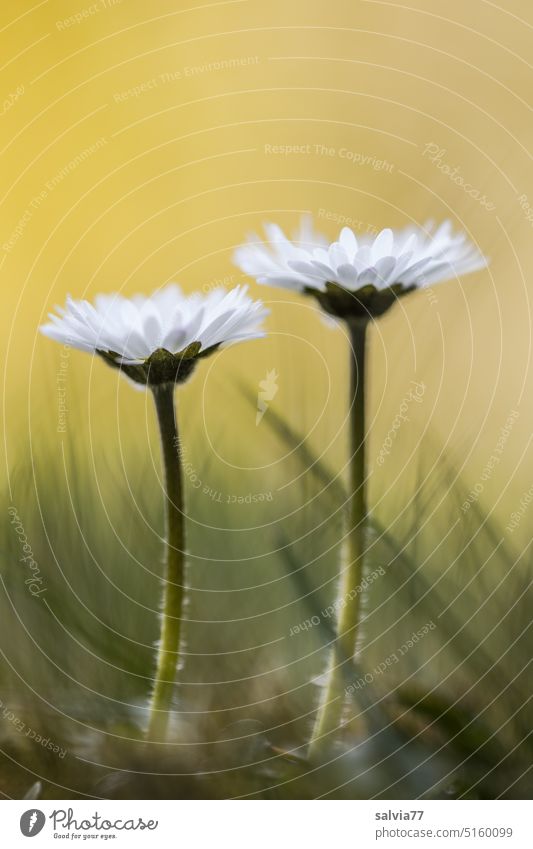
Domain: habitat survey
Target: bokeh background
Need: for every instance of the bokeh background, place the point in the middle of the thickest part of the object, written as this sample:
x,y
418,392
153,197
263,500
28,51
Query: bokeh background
x,y
141,144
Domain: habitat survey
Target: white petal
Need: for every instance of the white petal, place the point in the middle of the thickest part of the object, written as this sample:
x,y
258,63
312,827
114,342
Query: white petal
x,y
363,258
413,272
309,270
337,255
348,240
174,340
152,331
383,244
347,275
368,277
385,270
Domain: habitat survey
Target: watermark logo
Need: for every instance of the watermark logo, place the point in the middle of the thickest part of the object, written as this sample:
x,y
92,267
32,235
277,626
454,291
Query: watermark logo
x,y
268,389
65,825
34,581
32,822
437,155
415,395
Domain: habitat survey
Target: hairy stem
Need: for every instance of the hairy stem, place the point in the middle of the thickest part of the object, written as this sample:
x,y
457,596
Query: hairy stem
x,y
329,716
172,608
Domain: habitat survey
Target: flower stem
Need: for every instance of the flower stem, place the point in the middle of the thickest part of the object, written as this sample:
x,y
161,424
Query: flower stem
x,y
172,608
329,716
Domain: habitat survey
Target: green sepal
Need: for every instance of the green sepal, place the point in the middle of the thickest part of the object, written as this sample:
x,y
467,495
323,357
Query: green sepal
x,y
366,303
161,366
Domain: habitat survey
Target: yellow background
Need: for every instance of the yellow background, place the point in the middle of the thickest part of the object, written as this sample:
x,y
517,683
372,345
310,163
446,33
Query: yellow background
x,y
182,173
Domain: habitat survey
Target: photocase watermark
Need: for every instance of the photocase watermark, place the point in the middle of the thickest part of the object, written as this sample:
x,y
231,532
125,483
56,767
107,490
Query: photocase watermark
x,y
491,463
40,197
347,221
216,495
355,157
35,581
61,389
436,156
414,395
9,101
187,72
517,515
526,208
85,14
29,732
333,609
392,659
268,389
32,822
65,825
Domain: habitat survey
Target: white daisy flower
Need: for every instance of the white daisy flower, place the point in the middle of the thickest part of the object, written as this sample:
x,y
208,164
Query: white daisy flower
x,y
359,275
156,341
158,338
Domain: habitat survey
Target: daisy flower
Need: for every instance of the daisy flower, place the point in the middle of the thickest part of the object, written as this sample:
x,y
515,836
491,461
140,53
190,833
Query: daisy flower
x,y
356,279
359,277
157,339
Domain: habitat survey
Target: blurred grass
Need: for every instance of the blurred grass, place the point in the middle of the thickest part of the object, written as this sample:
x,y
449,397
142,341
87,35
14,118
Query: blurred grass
x,y
450,716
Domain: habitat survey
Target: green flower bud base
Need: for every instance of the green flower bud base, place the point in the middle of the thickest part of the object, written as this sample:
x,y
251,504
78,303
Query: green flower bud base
x,y
363,304
161,367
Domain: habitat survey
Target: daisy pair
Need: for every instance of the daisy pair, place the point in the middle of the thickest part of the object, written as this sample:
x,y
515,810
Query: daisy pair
x,y
157,342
